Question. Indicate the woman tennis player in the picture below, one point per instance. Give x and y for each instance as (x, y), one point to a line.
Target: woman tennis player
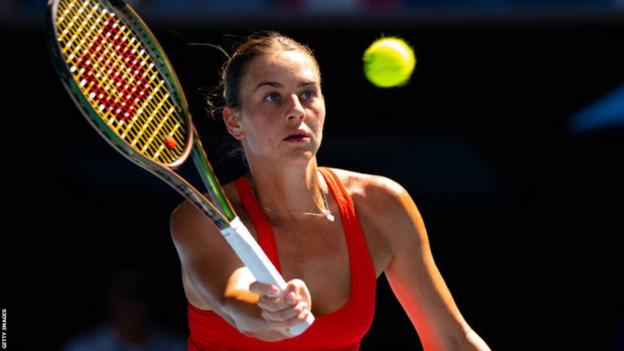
(329, 232)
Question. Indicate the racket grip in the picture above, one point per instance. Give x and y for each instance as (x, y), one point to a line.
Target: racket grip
(252, 255)
(303, 326)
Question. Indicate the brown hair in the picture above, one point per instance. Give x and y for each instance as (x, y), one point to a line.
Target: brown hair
(235, 68)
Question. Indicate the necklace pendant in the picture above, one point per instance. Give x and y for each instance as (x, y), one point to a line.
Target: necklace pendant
(330, 217)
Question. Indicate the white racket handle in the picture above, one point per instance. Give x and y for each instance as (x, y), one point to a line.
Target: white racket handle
(252, 255)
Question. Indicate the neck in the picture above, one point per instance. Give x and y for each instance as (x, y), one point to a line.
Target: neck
(290, 191)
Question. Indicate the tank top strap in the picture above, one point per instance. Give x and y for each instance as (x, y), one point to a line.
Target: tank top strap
(265, 239)
(363, 275)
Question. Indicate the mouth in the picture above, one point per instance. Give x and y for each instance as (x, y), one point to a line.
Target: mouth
(298, 136)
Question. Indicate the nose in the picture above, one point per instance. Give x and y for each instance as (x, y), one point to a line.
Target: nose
(295, 109)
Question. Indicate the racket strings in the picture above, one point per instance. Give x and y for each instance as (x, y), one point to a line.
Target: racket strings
(112, 34)
(117, 75)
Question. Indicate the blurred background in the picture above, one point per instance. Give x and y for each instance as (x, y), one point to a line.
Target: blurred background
(509, 138)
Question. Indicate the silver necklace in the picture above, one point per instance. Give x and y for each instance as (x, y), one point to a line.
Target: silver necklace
(325, 212)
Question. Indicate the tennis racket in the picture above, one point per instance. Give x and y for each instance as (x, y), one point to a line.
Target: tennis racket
(123, 83)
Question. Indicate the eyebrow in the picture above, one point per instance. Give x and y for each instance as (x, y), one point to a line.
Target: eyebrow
(280, 85)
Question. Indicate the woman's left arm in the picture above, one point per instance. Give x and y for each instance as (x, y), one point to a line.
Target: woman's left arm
(415, 279)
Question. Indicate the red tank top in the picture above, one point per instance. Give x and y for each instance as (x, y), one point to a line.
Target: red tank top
(341, 330)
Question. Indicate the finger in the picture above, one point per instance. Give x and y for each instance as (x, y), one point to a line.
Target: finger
(300, 290)
(298, 287)
(289, 323)
(285, 314)
(294, 285)
(264, 289)
(291, 298)
(274, 304)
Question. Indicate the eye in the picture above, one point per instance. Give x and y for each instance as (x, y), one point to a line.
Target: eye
(308, 94)
(273, 97)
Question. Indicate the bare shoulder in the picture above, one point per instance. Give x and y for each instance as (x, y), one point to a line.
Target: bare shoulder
(385, 208)
(372, 192)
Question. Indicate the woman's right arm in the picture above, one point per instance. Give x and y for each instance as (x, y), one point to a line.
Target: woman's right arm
(227, 286)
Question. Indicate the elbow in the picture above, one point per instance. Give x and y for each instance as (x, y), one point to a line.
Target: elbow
(243, 316)
(237, 313)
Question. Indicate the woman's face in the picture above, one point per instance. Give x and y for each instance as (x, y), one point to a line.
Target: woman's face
(282, 108)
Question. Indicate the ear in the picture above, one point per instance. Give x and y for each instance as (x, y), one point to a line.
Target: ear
(231, 118)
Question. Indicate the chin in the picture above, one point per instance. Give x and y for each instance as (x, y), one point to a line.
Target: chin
(299, 158)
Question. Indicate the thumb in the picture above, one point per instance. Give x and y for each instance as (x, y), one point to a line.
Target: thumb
(300, 289)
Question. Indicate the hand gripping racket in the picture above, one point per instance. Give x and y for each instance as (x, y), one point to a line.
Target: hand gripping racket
(121, 80)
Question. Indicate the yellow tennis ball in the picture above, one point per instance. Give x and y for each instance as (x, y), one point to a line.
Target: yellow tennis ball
(389, 62)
